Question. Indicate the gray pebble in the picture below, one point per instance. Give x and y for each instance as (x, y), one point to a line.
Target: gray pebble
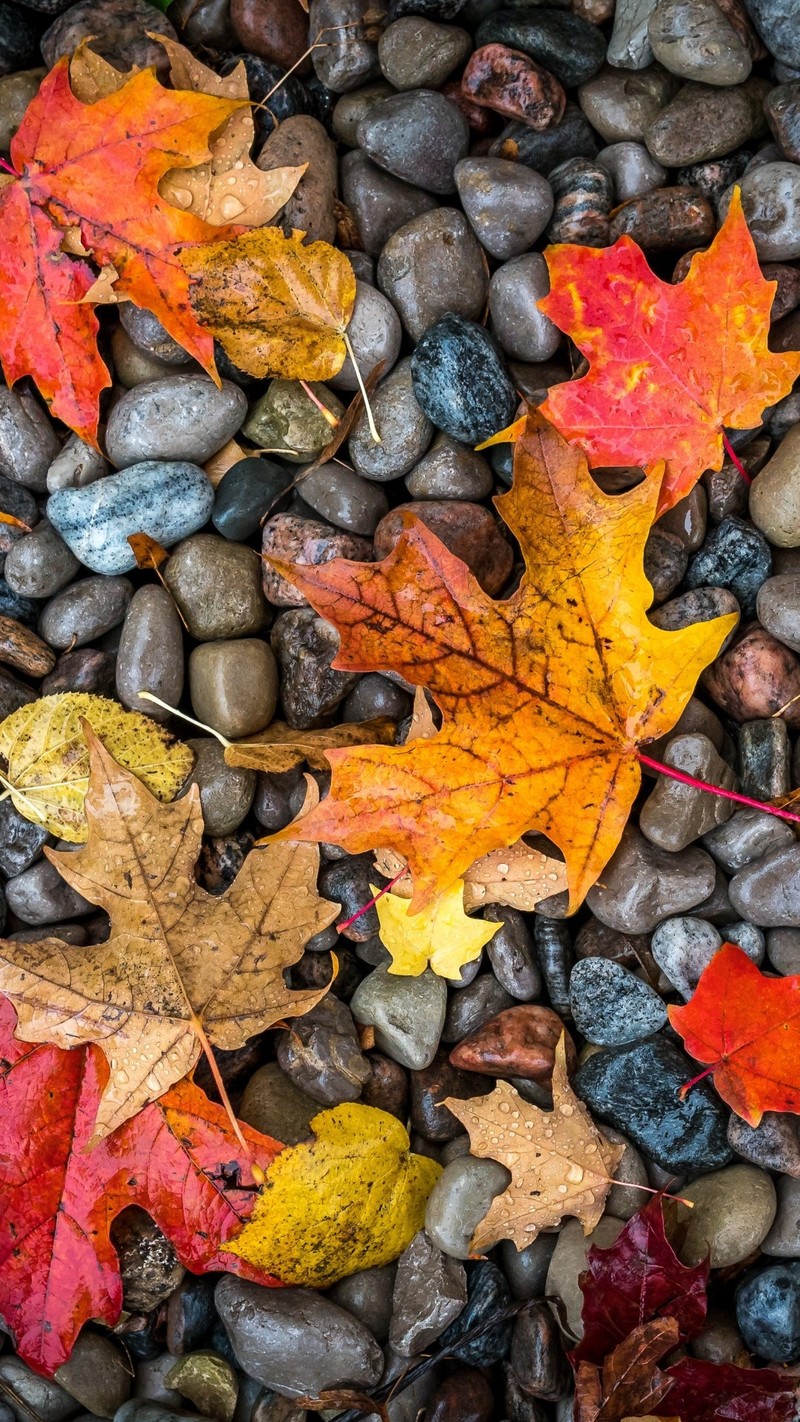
(405, 431)
(76, 465)
(783, 1240)
(508, 205)
(234, 686)
(84, 611)
(367, 1295)
(418, 136)
(629, 46)
(705, 122)
(642, 884)
(150, 656)
(407, 1014)
(683, 947)
(778, 608)
(416, 53)
(375, 334)
(97, 1374)
(747, 836)
(783, 950)
(473, 1006)
(460, 1199)
(774, 1144)
(611, 1006)
(380, 204)
(432, 266)
(321, 1054)
(28, 442)
(275, 1105)
(285, 421)
(166, 500)
(342, 55)
(342, 497)
(49, 1401)
(39, 895)
(622, 106)
(512, 954)
(21, 841)
(216, 584)
(185, 417)
(633, 171)
(695, 40)
(450, 471)
(430, 1291)
(516, 288)
(305, 645)
(768, 892)
(352, 107)
(674, 815)
(226, 791)
(526, 1269)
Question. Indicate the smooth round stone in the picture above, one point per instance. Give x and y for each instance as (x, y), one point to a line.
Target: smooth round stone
(767, 892)
(76, 465)
(119, 30)
(682, 948)
(778, 608)
(375, 695)
(450, 471)
(526, 1269)
(783, 949)
(755, 678)
(416, 53)
(695, 40)
(460, 381)
(226, 791)
(272, 29)
(734, 556)
(468, 530)
(621, 106)
(433, 266)
(216, 585)
(466, 1395)
(460, 1199)
(632, 169)
(133, 366)
(642, 884)
(367, 1295)
(39, 895)
(583, 201)
(625, 1198)
(276, 1106)
(473, 1006)
(286, 422)
(164, 499)
(49, 1401)
(96, 1374)
(512, 953)
(565, 44)
(430, 1292)
(637, 1088)
(87, 669)
(768, 1312)
(508, 205)
(28, 442)
(148, 334)
(151, 653)
(344, 498)
(538, 1362)
(703, 122)
(84, 611)
(516, 288)
(418, 136)
(775, 491)
(234, 686)
(344, 56)
(407, 1014)
(611, 1006)
(405, 429)
(569, 1262)
(303, 540)
(375, 334)
(301, 139)
(351, 108)
(294, 1341)
(184, 417)
(380, 204)
(245, 494)
(674, 815)
(783, 1240)
(733, 1212)
(668, 219)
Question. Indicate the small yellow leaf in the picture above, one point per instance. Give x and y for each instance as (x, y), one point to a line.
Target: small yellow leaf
(440, 935)
(44, 759)
(276, 306)
(353, 1198)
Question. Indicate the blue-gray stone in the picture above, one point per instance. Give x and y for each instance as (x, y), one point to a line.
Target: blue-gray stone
(776, 22)
(460, 381)
(735, 556)
(16, 605)
(564, 43)
(636, 1089)
(487, 1293)
(167, 500)
(768, 1312)
(611, 1006)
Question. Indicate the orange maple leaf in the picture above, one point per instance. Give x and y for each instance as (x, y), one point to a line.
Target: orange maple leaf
(670, 364)
(96, 167)
(544, 696)
(746, 1026)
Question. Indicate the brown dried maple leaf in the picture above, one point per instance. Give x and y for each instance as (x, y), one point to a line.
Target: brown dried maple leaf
(631, 1383)
(560, 1163)
(182, 967)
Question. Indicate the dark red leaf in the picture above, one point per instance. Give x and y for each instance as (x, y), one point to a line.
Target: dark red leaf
(719, 1392)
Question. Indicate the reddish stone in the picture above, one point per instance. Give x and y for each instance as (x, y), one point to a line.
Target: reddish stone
(466, 1396)
(518, 1042)
(277, 30)
(514, 85)
(665, 219)
(304, 540)
(756, 677)
(468, 530)
(480, 119)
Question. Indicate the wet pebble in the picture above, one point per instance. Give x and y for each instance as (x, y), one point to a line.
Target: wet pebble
(304, 646)
(775, 493)
(303, 541)
(611, 1006)
(418, 136)
(85, 610)
(320, 1053)
(642, 884)
(564, 43)
(96, 1374)
(674, 815)
(508, 205)
(275, 1105)
(301, 139)
(703, 122)
(569, 1261)
(537, 1357)
(733, 1211)
(286, 422)
(450, 470)
(523, 330)
(735, 556)
(208, 1381)
(343, 55)
(783, 1240)
(39, 895)
(667, 219)
(584, 196)
(767, 892)
(695, 40)
(381, 204)
(250, 489)
(519, 1042)
(474, 1005)
(510, 83)
(460, 381)
(406, 1013)
(185, 417)
(756, 677)
(430, 1291)
(226, 791)
(75, 465)
(632, 170)
(432, 266)
(459, 1201)
(771, 204)
(512, 953)
(621, 106)
(416, 53)
(768, 1312)
(683, 948)
(404, 428)
(21, 841)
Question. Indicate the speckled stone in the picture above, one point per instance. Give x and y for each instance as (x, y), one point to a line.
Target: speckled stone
(286, 422)
(622, 106)
(405, 429)
(216, 585)
(303, 540)
(460, 381)
(165, 499)
(416, 53)
(450, 471)
(510, 83)
(695, 40)
(703, 122)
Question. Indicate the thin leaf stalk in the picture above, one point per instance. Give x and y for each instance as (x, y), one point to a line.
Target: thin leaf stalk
(691, 780)
(734, 458)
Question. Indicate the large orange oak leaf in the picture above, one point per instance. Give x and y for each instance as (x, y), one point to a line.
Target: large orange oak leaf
(544, 696)
(178, 1159)
(96, 168)
(746, 1028)
(670, 364)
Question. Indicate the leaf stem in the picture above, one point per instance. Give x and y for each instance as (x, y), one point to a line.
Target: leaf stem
(687, 1086)
(151, 696)
(8, 169)
(197, 1028)
(340, 927)
(631, 1185)
(326, 414)
(696, 784)
(373, 428)
(734, 458)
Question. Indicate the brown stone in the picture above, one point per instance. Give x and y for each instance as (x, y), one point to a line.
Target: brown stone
(85, 669)
(631, 950)
(665, 219)
(304, 540)
(22, 649)
(276, 30)
(469, 530)
(514, 85)
(302, 139)
(466, 1396)
(787, 297)
(518, 1042)
(479, 118)
(430, 1087)
(387, 1088)
(756, 677)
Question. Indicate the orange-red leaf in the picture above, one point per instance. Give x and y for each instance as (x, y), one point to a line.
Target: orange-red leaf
(544, 696)
(670, 364)
(746, 1028)
(178, 1159)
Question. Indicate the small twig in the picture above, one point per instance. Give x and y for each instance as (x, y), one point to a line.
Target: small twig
(340, 927)
(734, 458)
(696, 784)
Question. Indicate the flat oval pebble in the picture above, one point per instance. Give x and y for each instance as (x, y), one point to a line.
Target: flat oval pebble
(150, 656)
(85, 610)
(418, 136)
(168, 500)
(185, 417)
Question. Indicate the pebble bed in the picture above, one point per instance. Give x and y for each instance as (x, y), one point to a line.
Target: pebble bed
(447, 141)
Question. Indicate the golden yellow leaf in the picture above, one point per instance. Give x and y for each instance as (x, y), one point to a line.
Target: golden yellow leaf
(44, 758)
(277, 307)
(560, 1163)
(182, 967)
(353, 1198)
(280, 747)
(229, 188)
(440, 935)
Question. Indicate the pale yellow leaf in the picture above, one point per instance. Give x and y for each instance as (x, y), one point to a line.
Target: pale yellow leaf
(440, 936)
(353, 1198)
(44, 758)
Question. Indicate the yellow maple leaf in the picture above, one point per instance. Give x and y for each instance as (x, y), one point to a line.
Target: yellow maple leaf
(441, 935)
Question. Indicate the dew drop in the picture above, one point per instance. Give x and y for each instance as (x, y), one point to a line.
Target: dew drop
(575, 1174)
